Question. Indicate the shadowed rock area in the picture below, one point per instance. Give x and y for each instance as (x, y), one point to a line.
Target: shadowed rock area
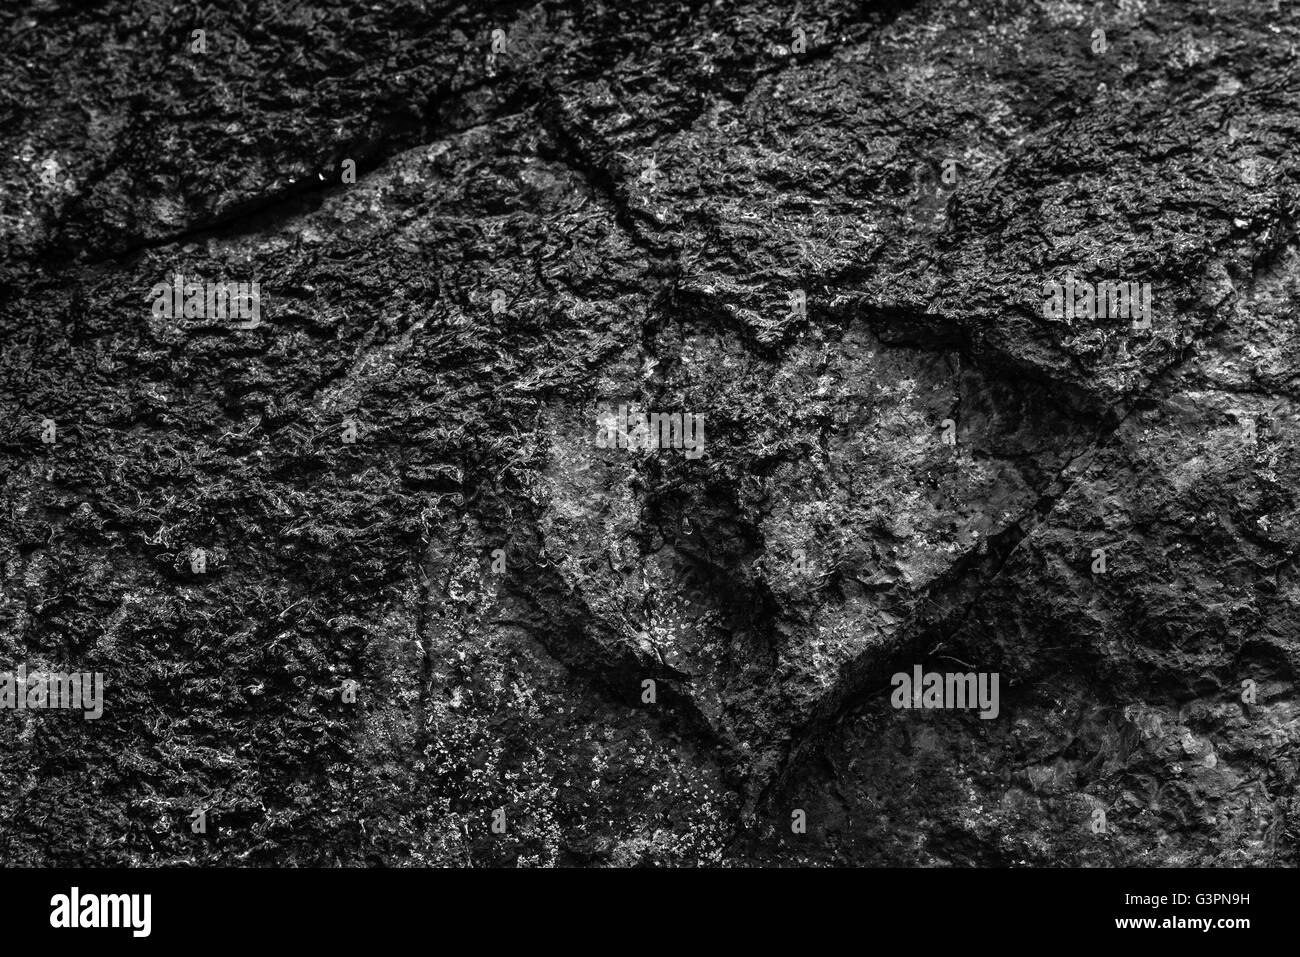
(428, 594)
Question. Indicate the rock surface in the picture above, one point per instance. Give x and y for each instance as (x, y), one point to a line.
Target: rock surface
(827, 231)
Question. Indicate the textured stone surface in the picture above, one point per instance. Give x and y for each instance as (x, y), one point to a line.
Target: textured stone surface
(647, 185)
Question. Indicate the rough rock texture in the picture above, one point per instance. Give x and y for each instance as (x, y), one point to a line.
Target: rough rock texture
(647, 185)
